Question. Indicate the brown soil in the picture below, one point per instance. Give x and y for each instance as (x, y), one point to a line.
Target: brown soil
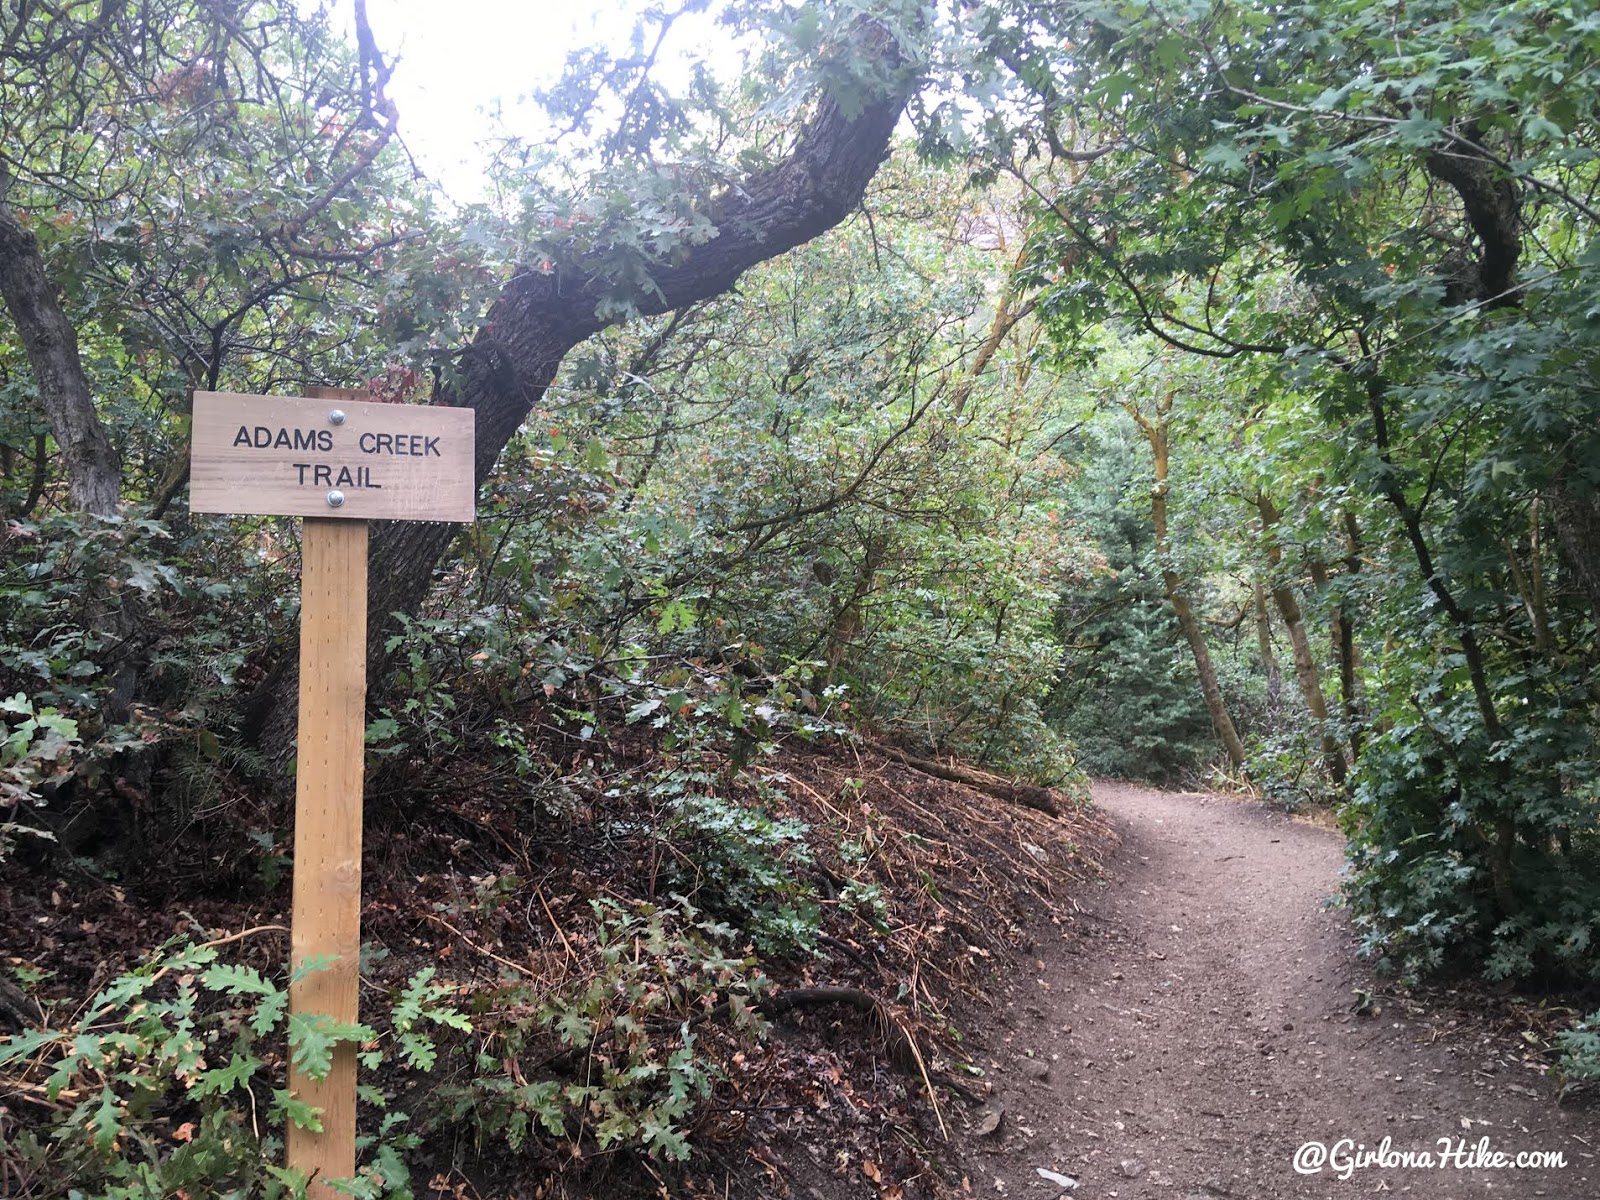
(472, 877)
(1198, 1022)
(1166, 1016)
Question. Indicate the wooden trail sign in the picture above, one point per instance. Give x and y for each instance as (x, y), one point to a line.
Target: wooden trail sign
(290, 456)
(337, 461)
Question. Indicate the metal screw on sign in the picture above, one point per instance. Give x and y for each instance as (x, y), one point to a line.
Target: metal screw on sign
(336, 417)
(335, 499)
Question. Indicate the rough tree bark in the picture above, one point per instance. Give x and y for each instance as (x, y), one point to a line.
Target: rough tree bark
(94, 476)
(544, 313)
(1493, 209)
(94, 471)
(1575, 511)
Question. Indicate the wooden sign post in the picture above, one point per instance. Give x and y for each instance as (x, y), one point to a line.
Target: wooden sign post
(337, 461)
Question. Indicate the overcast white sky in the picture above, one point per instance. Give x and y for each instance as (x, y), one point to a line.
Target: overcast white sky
(461, 59)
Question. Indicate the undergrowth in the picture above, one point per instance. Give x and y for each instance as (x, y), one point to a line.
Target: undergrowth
(172, 1078)
(615, 1057)
(614, 1020)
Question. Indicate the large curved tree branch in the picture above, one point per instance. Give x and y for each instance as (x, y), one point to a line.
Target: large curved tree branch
(1493, 208)
(543, 314)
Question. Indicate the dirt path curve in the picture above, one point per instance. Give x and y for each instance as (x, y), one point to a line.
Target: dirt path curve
(1197, 1021)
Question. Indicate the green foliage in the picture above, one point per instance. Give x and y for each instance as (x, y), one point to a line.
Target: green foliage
(32, 750)
(1285, 761)
(634, 1060)
(1127, 694)
(1580, 1049)
(902, 483)
(1432, 799)
(220, 224)
(1363, 236)
(431, 660)
(62, 578)
(739, 863)
(96, 612)
(165, 1081)
(851, 509)
(1128, 698)
(418, 1007)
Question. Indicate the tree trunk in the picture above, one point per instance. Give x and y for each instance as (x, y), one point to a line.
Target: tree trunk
(1155, 432)
(94, 476)
(1503, 841)
(542, 315)
(544, 312)
(94, 473)
(1342, 635)
(1529, 583)
(1349, 662)
(847, 623)
(1269, 659)
(1575, 510)
(1006, 315)
(1306, 672)
(1216, 707)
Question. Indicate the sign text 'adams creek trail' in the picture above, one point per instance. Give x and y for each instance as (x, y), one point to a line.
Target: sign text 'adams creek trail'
(294, 456)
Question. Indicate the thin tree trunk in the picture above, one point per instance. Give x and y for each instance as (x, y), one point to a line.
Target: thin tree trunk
(1575, 511)
(1501, 839)
(1155, 432)
(1536, 571)
(1349, 660)
(1306, 671)
(38, 475)
(1342, 636)
(1530, 593)
(1211, 690)
(1269, 658)
(847, 623)
(94, 476)
(1006, 315)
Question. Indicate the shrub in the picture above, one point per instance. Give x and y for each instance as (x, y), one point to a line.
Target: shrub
(1130, 700)
(1429, 797)
(632, 1071)
(39, 745)
(744, 865)
(1580, 1049)
(134, 639)
(164, 1083)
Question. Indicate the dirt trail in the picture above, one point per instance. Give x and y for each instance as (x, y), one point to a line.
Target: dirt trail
(1198, 1025)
